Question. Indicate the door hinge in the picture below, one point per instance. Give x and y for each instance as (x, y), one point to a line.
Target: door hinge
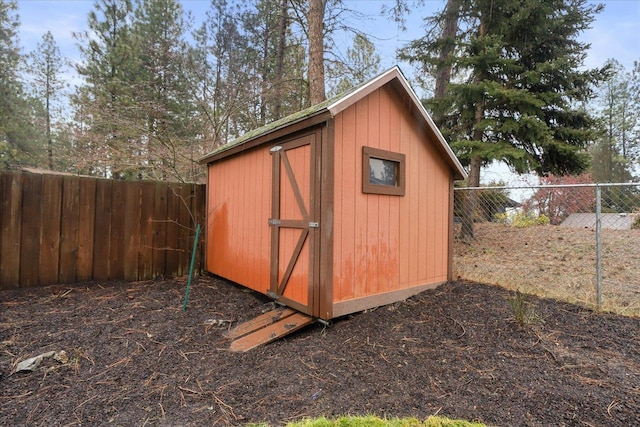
(275, 148)
(273, 221)
(314, 225)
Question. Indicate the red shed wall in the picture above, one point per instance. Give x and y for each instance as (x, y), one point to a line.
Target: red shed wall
(385, 244)
(238, 207)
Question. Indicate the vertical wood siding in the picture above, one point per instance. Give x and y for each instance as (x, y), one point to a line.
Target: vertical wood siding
(238, 208)
(64, 229)
(386, 243)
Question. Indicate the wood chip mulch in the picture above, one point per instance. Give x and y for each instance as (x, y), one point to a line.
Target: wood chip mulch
(136, 358)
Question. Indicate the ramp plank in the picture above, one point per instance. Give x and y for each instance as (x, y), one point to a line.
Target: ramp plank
(260, 322)
(272, 332)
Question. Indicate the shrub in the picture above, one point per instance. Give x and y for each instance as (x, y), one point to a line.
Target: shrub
(521, 220)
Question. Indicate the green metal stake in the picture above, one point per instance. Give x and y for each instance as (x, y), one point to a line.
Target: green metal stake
(193, 258)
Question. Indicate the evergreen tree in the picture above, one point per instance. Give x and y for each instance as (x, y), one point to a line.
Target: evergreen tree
(249, 68)
(46, 66)
(607, 164)
(262, 29)
(618, 145)
(515, 84)
(320, 20)
(107, 131)
(18, 137)
(163, 97)
(220, 82)
(279, 61)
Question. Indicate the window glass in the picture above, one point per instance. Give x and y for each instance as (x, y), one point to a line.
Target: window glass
(383, 172)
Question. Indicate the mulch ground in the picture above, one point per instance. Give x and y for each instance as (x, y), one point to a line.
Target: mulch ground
(135, 358)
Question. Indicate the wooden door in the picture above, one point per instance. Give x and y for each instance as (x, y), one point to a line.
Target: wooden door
(294, 226)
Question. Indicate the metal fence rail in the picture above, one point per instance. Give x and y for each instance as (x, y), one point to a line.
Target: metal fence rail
(576, 242)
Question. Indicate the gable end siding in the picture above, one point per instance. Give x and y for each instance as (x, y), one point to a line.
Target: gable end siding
(387, 243)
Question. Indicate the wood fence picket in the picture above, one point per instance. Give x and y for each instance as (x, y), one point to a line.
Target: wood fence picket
(61, 229)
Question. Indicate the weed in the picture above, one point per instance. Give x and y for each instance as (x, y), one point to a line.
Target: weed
(523, 312)
(75, 360)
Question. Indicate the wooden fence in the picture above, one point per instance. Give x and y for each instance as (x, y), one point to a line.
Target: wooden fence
(59, 229)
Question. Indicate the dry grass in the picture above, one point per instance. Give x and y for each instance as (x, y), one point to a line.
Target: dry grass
(555, 262)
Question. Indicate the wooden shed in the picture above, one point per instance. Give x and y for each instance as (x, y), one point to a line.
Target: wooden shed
(345, 206)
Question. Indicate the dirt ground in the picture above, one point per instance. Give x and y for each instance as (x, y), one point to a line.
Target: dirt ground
(135, 358)
(556, 262)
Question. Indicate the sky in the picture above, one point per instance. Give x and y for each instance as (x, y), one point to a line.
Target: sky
(615, 32)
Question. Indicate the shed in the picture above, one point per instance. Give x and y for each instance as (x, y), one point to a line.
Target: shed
(344, 206)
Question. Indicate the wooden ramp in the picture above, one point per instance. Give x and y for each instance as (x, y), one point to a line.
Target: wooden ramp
(267, 327)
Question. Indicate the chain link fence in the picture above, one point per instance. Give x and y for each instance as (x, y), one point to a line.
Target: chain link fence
(579, 243)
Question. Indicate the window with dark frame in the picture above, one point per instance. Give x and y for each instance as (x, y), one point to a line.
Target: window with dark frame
(383, 172)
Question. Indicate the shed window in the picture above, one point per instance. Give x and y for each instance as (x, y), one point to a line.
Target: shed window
(382, 172)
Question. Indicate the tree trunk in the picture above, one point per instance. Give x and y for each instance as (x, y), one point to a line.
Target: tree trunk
(262, 119)
(471, 201)
(443, 73)
(49, 140)
(316, 51)
(282, 33)
(608, 149)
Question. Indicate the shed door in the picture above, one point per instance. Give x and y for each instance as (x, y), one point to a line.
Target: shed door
(294, 226)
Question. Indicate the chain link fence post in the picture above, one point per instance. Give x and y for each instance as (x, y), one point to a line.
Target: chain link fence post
(598, 246)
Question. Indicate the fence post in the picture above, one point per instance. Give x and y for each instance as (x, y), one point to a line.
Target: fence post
(598, 246)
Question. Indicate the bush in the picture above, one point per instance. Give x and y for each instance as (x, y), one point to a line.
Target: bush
(521, 220)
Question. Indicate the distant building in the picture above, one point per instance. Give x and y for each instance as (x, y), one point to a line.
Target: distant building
(610, 221)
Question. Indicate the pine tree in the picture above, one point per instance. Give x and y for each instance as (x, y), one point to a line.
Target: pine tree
(220, 83)
(279, 62)
(107, 131)
(18, 136)
(263, 36)
(619, 144)
(515, 85)
(323, 19)
(10, 87)
(249, 68)
(46, 67)
(163, 97)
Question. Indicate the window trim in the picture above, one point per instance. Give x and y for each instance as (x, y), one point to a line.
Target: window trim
(376, 153)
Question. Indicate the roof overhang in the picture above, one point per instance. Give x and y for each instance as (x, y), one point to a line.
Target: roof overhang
(277, 129)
